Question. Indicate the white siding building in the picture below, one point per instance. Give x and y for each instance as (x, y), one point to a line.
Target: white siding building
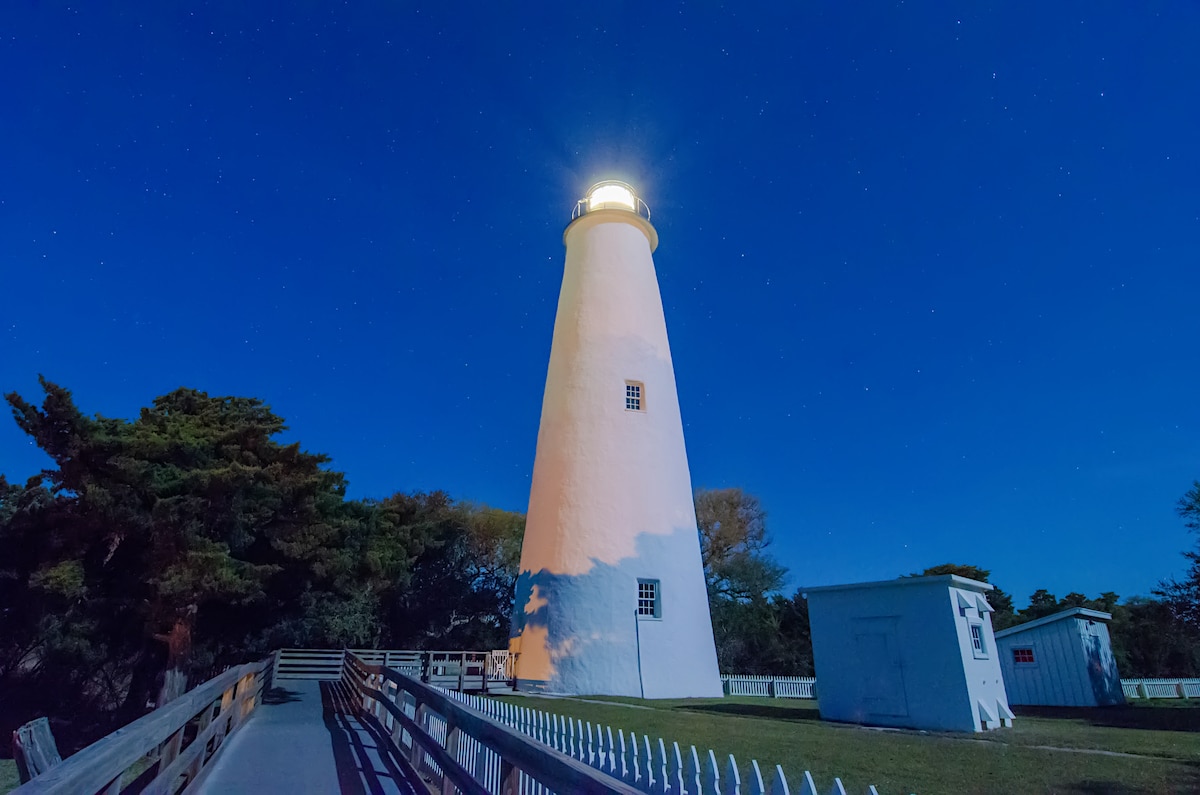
(916, 652)
(1062, 660)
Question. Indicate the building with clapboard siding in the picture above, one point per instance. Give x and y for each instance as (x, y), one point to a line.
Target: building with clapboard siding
(916, 652)
(1063, 660)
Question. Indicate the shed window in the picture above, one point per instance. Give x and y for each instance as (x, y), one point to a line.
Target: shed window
(977, 645)
(1024, 656)
(649, 603)
(633, 395)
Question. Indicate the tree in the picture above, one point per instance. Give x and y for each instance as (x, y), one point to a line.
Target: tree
(1042, 603)
(187, 538)
(743, 581)
(1183, 595)
(1147, 641)
(733, 544)
(460, 593)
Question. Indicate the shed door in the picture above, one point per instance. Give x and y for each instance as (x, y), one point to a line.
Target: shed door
(878, 656)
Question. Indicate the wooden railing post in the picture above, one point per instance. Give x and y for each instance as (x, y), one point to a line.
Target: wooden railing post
(510, 778)
(193, 769)
(415, 756)
(170, 749)
(452, 739)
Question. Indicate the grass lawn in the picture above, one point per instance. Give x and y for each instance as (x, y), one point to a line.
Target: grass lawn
(1129, 751)
(8, 776)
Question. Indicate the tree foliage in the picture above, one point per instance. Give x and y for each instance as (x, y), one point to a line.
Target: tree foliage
(733, 545)
(756, 629)
(1183, 595)
(191, 537)
(462, 585)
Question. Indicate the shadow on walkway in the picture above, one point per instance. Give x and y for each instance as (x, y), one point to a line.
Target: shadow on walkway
(361, 750)
(279, 695)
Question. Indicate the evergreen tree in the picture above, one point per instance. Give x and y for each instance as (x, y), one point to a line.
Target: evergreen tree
(185, 539)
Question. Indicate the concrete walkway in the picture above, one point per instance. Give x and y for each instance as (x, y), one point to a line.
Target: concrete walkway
(305, 739)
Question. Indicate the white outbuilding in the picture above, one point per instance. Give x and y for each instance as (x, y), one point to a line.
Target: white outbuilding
(1063, 660)
(915, 652)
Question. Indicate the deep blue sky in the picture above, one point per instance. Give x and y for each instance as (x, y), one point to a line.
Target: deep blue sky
(929, 270)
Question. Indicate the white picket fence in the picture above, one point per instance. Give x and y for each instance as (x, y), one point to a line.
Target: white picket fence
(806, 687)
(769, 686)
(1160, 688)
(651, 766)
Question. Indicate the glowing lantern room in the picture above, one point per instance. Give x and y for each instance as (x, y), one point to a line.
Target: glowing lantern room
(611, 598)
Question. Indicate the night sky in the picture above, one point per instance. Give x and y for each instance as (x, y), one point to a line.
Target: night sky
(929, 270)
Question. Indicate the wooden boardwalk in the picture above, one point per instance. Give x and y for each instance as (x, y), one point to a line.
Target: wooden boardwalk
(304, 738)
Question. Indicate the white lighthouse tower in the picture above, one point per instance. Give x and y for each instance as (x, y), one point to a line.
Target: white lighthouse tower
(611, 597)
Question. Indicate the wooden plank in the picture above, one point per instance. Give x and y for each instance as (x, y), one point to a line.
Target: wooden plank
(191, 758)
(553, 770)
(105, 760)
(34, 749)
(425, 745)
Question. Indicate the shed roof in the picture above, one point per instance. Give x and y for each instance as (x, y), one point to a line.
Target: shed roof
(946, 580)
(1074, 612)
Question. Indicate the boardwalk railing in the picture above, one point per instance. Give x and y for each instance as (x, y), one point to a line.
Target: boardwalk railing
(460, 749)
(651, 766)
(1160, 688)
(455, 670)
(769, 686)
(179, 740)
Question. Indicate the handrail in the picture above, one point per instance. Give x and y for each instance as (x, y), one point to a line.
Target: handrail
(460, 740)
(472, 670)
(218, 707)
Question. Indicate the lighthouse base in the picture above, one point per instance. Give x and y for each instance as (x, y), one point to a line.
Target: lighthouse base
(583, 634)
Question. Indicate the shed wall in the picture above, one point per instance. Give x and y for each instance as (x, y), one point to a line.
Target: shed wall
(889, 657)
(1073, 665)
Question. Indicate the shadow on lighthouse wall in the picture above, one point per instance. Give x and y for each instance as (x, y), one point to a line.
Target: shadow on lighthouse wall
(577, 637)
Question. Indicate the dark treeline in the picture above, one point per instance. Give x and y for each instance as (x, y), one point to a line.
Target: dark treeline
(761, 631)
(158, 550)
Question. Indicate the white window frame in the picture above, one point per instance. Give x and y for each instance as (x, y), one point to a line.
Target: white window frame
(655, 601)
(635, 396)
(978, 651)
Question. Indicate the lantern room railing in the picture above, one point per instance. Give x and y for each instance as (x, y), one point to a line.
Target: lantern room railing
(611, 195)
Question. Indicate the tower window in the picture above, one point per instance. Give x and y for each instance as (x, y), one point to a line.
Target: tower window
(649, 604)
(634, 394)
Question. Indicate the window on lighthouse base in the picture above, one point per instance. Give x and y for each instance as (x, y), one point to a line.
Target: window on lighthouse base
(649, 604)
(634, 394)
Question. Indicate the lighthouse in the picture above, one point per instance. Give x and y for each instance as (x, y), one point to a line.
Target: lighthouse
(611, 598)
